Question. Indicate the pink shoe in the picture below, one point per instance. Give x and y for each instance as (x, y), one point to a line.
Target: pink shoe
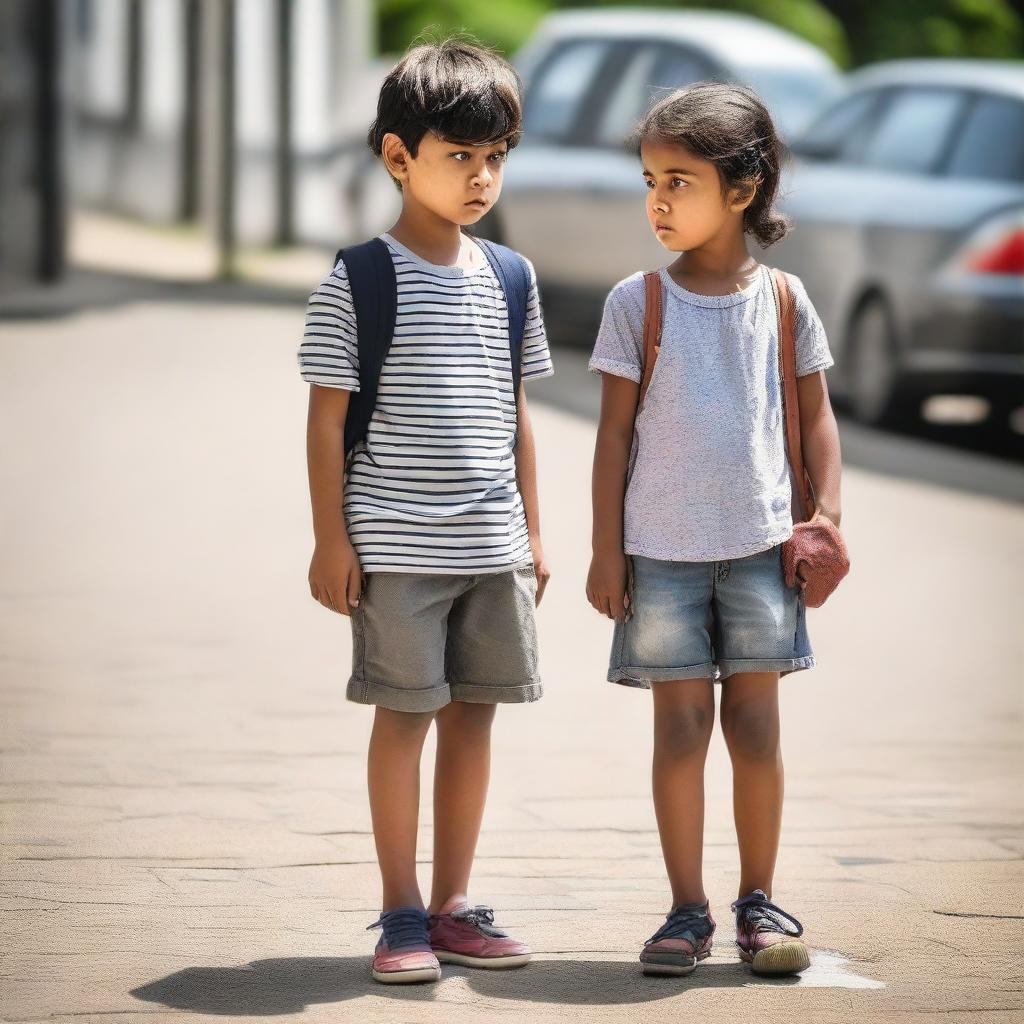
(467, 936)
(403, 955)
(768, 937)
(681, 942)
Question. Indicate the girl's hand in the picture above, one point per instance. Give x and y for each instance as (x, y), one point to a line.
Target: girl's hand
(606, 585)
(540, 567)
(335, 576)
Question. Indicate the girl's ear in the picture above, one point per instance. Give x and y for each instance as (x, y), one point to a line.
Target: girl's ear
(741, 196)
(395, 156)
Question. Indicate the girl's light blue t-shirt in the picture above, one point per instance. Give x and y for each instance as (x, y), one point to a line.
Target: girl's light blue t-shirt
(711, 479)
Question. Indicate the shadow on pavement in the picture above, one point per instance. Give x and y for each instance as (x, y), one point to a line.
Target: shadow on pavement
(289, 985)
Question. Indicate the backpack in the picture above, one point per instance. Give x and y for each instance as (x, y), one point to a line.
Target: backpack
(374, 287)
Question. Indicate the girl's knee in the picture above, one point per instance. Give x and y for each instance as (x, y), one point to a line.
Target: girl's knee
(751, 730)
(684, 731)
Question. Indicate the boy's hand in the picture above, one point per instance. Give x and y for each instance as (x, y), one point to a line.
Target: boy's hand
(335, 577)
(540, 568)
(606, 585)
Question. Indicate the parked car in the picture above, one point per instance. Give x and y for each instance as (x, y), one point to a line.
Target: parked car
(573, 195)
(907, 198)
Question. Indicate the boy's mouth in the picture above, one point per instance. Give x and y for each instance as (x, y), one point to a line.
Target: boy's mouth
(480, 204)
(662, 227)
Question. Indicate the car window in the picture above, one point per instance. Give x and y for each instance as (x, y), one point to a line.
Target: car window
(914, 130)
(557, 92)
(651, 72)
(840, 132)
(991, 143)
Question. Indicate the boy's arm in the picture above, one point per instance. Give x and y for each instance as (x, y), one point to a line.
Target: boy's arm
(819, 437)
(335, 578)
(526, 478)
(606, 582)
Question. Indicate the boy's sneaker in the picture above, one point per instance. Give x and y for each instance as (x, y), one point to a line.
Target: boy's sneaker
(681, 942)
(768, 937)
(403, 954)
(467, 935)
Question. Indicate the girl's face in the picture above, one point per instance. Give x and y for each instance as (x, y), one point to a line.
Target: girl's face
(686, 203)
(455, 181)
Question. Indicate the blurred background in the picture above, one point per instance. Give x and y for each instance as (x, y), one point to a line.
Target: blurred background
(217, 140)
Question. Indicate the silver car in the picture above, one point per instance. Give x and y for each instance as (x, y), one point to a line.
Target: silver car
(573, 197)
(907, 198)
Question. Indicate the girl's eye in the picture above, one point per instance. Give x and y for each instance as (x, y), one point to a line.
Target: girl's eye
(648, 183)
(676, 182)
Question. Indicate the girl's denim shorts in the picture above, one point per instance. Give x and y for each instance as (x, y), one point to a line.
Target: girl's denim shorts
(709, 620)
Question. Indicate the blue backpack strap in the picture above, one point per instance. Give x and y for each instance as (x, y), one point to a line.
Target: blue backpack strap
(514, 277)
(374, 288)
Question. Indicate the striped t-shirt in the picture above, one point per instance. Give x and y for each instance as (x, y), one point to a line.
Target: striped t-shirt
(433, 486)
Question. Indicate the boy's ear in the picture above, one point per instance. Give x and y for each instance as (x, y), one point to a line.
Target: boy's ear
(395, 156)
(742, 196)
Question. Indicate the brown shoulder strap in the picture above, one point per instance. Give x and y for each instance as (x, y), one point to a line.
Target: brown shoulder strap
(652, 330)
(790, 398)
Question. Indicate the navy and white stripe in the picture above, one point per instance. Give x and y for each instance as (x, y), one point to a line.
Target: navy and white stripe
(433, 487)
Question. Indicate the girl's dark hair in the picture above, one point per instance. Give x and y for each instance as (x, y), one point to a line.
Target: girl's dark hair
(731, 127)
(455, 88)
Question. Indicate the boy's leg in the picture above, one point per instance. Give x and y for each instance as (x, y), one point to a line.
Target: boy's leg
(393, 776)
(750, 723)
(461, 774)
(684, 715)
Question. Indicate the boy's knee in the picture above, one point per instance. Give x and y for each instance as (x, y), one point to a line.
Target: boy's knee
(751, 731)
(685, 731)
(464, 715)
(409, 723)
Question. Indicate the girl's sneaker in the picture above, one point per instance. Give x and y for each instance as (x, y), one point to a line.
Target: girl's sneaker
(403, 954)
(681, 942)
(467, 935)
(768, 937)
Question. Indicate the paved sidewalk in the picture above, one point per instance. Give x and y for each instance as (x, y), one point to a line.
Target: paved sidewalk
(185, 826)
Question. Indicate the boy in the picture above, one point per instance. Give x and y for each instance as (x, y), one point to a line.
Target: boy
(426, 528)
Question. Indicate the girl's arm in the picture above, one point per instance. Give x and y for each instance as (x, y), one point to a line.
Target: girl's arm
(335, 578)
(606, 582)
(819, 437)
(526, 478)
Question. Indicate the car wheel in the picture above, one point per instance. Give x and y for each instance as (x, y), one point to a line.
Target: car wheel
(872, 378)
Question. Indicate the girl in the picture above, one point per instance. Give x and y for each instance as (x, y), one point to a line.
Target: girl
(692, 502)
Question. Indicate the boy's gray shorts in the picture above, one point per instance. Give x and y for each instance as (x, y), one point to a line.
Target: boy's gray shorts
(421, 640)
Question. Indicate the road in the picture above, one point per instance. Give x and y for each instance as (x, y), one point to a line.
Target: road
(185, 822)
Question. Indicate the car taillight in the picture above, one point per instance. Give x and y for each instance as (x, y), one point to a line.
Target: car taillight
(996, 248)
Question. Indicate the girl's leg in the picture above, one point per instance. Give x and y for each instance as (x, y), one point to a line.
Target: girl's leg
(461, 774)
(750, 722)
(684, 715)
(393, 775)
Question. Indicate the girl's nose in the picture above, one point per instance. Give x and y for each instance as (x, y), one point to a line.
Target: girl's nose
(660, 206)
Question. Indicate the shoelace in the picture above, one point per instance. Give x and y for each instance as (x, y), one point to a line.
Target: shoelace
(480, 917)
(757, 910)
(404, 926)
(684, 922)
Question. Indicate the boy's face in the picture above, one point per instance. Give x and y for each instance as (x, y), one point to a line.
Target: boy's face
(686, 204)
(456, 181)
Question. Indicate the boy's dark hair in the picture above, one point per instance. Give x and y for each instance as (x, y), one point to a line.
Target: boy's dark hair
(731, 127)
(455, 88)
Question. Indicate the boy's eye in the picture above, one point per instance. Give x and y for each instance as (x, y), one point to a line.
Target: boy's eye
(676, 182)
(463, 156)
(499, 157)
(648, 183)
